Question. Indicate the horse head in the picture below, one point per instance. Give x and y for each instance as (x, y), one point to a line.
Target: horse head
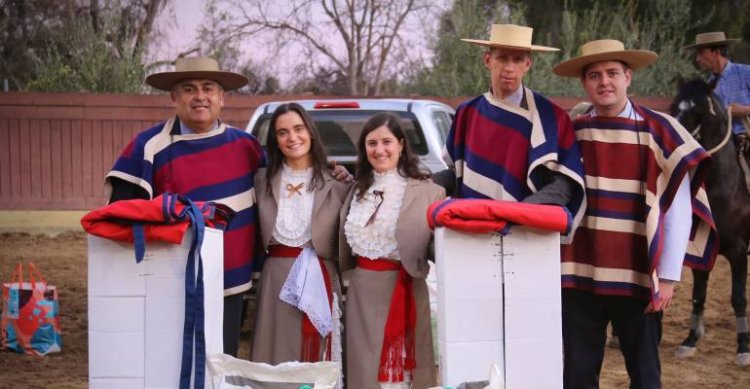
(700, 112)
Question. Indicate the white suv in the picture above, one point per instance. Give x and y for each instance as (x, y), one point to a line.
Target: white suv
(425, 122)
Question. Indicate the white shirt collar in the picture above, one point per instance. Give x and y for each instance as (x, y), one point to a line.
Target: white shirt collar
(628, 112)
(515, 98)
(304, 173)
(185, 130)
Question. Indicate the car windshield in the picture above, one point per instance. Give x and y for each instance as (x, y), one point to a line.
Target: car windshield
(340, 129)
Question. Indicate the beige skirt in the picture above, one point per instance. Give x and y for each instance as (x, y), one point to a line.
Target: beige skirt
(277, 336)
(368, 300)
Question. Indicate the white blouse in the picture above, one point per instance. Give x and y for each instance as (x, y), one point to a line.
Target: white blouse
(295, 208)
(378, 239)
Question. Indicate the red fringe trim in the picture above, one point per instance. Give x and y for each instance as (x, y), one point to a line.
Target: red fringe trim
(398, 352)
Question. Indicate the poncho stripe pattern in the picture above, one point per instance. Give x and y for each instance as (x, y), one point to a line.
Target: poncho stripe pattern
(617, 247)
(217, 166)
(495, 149)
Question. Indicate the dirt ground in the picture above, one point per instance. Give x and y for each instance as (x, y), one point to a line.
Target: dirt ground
(62, 260)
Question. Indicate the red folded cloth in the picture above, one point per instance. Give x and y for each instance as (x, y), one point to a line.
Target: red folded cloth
(165, 218)
(484, 215)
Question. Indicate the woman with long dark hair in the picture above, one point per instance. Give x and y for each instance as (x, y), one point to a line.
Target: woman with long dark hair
(298, 316)
(384, 241)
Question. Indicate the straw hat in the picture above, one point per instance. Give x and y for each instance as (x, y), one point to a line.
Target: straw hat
(196, 68)
(604, 50)
(512, 37)
(711, 39)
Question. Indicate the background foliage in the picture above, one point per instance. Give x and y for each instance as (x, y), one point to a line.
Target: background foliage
(103, 45)
(658, 25)
(72, 46)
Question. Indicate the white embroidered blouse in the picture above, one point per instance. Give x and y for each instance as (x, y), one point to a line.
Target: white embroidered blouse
(378, 239)
(295, 208)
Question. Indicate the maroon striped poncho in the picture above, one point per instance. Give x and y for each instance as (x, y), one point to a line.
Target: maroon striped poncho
(633, 169)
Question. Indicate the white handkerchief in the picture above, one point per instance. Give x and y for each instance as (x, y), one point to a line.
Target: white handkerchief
(305, 289)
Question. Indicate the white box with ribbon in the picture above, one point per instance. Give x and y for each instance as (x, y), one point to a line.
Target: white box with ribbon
(137, 310)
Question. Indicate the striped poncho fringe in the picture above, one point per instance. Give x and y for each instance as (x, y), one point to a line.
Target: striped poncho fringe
(620, 240)
(217, 166)
(496, 148)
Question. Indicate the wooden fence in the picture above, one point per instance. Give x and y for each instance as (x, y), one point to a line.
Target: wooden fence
(55, 148)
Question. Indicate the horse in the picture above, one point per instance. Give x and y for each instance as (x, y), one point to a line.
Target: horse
(701, 113)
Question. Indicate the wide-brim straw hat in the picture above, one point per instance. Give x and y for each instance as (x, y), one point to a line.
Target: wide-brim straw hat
(196, 68)
(511, 36)
(604, 50)
(711, 39)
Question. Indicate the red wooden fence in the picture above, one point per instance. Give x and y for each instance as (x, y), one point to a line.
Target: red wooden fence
(55, 148)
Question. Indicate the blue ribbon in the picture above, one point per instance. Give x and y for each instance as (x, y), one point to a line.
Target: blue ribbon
(194, 327)
(139, 242)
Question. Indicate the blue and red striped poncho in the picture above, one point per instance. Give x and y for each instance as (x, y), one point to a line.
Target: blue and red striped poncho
(633, 169)
(496, 149)
(217, 166)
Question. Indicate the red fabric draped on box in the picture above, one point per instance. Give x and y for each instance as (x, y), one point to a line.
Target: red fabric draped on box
(162, 219)
(483, 215)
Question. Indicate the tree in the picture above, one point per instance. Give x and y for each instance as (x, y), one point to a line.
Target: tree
(323, 82)
(213, 43)
(24, 25)
(730, 16)
(458, 68)
(655, 25)
(92, 45)
(354, 39)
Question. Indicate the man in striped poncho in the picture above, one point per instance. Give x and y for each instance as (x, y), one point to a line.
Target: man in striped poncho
(512, 143)
(196, 155)
(647, 212)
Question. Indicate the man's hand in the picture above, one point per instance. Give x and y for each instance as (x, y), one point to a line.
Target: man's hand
(666, 292)
(339, 172)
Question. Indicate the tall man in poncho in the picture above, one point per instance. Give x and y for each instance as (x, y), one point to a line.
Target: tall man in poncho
(512, 143)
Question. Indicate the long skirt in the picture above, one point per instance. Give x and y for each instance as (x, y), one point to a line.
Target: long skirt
(368, 300)
(278, 325)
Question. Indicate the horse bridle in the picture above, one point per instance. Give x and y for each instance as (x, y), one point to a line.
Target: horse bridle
(696, 131)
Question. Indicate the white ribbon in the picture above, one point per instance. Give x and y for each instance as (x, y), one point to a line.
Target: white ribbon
(305, 289)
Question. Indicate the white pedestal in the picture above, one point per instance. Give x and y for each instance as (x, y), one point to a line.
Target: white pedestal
(136, 311)
(499, 302)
